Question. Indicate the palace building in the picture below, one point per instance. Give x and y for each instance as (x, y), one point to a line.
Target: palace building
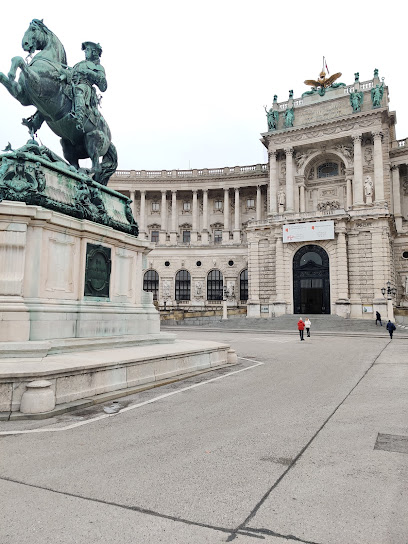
(321, 228)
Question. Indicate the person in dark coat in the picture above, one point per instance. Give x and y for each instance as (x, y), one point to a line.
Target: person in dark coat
(378, 318)
(391, 328)
(301, 328)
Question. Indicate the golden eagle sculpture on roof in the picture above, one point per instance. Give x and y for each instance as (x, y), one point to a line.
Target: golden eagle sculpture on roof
(322, 83)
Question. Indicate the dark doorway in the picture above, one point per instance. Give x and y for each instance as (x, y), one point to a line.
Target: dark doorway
(311, 281)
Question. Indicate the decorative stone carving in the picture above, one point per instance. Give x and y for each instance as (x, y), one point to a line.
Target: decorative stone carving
(198, 288)
(301, 158)
(368, 155)
(329, 205)
(368, 186)
(347, 151)
(166, 288)
(281, 197)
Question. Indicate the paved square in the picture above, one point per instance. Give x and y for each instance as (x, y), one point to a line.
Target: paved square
(278, 448)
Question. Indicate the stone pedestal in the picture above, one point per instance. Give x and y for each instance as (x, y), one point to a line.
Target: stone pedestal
(61, 277)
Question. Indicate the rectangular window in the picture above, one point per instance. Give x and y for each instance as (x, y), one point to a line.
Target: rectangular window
(155, 206)
(154, 236)
(217, 236)
(186, 206)
(218, 205)
(186, 236)
(250, 203)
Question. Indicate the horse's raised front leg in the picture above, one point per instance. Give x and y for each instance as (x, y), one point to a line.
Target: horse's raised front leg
(15, 89)
(16, 62)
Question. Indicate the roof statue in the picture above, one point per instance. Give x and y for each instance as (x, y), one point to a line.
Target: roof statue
(322, 83)
(65, 98)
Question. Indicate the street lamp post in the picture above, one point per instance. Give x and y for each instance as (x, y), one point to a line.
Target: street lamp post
(390, 292)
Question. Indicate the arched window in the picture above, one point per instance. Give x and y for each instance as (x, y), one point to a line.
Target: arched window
(183, 285)
(243, 285)
(327, 170)
(215, 285)
(151, 283)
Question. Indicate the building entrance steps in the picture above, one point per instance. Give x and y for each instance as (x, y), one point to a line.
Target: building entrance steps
(321, 324)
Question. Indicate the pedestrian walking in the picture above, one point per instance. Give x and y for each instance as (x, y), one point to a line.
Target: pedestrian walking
(378, 318)
(301, 328)
(308, 324)
(391, 328)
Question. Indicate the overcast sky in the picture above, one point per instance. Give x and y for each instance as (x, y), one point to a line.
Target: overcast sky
(188, 80)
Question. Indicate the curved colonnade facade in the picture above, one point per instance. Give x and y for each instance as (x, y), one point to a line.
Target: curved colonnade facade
(321, 228)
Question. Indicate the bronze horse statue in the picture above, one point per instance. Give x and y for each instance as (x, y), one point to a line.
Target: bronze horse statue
(42, 84)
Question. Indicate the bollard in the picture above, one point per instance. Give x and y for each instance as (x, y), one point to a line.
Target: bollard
(37, 398)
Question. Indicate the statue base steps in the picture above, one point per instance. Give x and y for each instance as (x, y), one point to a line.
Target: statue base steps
(80, 374)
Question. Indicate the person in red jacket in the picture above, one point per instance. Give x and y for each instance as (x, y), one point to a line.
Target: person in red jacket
(301, 327)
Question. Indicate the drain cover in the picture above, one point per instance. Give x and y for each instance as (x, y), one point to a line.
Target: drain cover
(392, 442)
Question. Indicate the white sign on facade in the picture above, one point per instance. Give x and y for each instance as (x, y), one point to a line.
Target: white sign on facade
(307, 232)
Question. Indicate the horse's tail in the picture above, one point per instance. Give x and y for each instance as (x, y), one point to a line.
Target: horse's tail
(109, 165)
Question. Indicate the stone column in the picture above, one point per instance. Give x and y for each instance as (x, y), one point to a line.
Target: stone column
(381, 256)
(378, 168)
(258, 203)
(315, 196)
(396, 194)
(289, 180)
(349, 194)
(358, 172)
(273, 183)
(253, 303)
(142, 218)
(163, 231)
(204, 232)
(195, 217)
(133, 205)
(174, 226)
(225, 233)
(342, 269)
(237, 218)
(279, 304)
(302, 199)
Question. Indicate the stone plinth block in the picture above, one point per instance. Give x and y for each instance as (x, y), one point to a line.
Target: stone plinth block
(38, 398)
(76, 278)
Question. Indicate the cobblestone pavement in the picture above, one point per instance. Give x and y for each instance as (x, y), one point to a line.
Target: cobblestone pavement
(299, 442)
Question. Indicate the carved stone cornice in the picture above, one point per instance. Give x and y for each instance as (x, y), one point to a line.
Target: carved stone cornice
(322, 129)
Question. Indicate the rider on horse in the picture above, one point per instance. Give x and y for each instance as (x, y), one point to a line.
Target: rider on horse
(84, 75)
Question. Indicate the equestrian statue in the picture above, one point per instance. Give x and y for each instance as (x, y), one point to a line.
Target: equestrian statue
(65, 98)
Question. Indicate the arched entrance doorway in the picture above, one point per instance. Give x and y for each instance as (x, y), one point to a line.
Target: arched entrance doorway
(311, 281)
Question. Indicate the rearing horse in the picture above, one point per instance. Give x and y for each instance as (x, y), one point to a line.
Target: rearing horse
(40, 84)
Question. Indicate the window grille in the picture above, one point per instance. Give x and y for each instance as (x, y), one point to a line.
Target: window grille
(151, 283)
(215, 285)
(243, 285)
(183, 285)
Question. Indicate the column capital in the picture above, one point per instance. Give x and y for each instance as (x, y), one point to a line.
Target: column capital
(163, 191)
(357, 138)
(377, 135)
(289, 151)
(395, 167)
(205, 190)
(142, 191)
(174, 191)
(273, 153)
(194, 191)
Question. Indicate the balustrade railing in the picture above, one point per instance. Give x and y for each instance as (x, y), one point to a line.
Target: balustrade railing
(254, 169)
